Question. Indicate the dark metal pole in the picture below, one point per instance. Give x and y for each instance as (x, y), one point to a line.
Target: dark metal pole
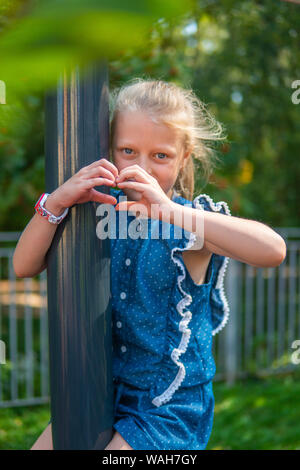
(78, 273)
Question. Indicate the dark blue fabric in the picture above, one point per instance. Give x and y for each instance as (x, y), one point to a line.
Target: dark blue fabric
(163, 326)
(185, 423)
(146, 297)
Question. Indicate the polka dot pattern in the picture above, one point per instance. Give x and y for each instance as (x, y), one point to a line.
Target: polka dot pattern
(185, 423)
(168, 321)
(163, 324)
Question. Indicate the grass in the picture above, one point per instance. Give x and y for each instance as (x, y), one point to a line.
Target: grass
(257, 414)
(21, 426)
(254, 414)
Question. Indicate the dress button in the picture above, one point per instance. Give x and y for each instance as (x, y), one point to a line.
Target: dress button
(123, 349)
(128, 261)
(123, 295)
(119, 324)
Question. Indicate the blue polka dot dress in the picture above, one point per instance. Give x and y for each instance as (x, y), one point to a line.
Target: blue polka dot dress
(163, 325)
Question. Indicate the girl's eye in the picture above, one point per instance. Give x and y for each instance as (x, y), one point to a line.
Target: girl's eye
(129, 151)
(161, 154)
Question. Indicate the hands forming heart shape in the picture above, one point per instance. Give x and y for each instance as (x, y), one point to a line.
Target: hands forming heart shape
(153, 200)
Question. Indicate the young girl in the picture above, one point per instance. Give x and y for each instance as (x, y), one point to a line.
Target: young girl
(167, 292)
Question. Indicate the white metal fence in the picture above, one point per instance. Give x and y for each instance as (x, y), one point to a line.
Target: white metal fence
(24, 376)
(264, 321)
(264, 316)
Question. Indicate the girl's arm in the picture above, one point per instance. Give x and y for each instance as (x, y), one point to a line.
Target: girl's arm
(29, 257)
(246, 240)
(30, 252)
(210, 248)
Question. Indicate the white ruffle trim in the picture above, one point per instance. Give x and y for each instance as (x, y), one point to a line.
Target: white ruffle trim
(187, 300)
(183, 328)
(220, 280)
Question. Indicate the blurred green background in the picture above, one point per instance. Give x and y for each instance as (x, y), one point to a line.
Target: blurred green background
(241, 58)
(254, 414)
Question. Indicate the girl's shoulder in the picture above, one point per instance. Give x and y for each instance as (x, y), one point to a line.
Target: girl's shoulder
(202, 202)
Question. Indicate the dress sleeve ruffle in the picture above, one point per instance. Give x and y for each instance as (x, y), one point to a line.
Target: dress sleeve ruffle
(182, 240)
(179, 240)
(218, 301)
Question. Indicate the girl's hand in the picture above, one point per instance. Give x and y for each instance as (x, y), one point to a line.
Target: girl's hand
(80, 187)
(153, 200)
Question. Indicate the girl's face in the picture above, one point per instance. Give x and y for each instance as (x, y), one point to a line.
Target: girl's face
(154, 147)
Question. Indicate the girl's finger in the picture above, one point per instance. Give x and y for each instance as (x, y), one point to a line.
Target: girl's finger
(133, 184)
(107, 164)
(99, 182)
(104, 198)
(124, 205)
(111, 167)
(143, 172)
(138, 175)
(99, 170)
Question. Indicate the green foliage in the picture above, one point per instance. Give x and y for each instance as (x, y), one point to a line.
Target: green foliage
(21, 426)
(261, 414)
(21, 160)
(241, 59)
(57, 35)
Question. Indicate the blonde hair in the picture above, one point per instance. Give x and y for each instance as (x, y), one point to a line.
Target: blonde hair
(180, 109)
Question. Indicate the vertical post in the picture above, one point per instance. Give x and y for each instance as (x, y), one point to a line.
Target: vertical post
(78, 273)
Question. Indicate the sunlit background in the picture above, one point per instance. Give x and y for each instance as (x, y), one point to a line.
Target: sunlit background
(241, 58)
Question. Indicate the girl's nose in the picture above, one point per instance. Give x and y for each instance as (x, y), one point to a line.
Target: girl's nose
(146, 167)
